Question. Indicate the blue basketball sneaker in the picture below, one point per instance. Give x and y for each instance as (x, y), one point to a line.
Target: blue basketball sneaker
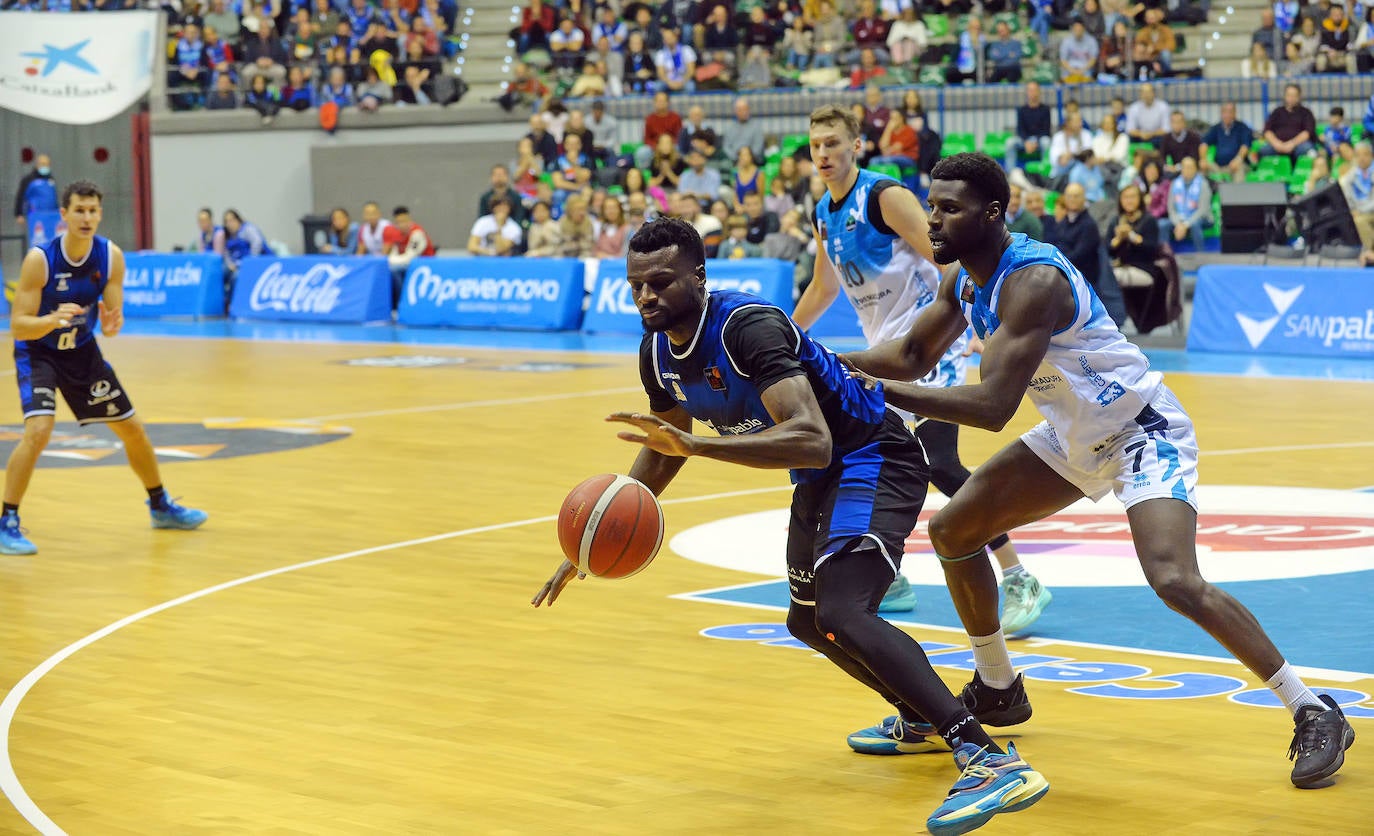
(895, 736)
(990, 784)
(12, 539)
(899, 596)
(173, 515)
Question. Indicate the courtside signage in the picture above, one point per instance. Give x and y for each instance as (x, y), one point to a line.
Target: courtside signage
(612, 308)
(1271, 310)
(77, 69)
(175, 284)
(313, 289)
(525, 293)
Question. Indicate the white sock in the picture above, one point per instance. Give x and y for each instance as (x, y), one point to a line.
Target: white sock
(1287, 686)
(1018, 569)
(991, 660)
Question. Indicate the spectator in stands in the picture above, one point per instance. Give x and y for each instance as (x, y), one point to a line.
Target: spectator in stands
(524, 89)
(719, 38)
(542, 141)
(1147, 119)
(761, 31)
(1269, 36)
(873, 122)
(324, 17)
(567, 46)
(667, 164)
(1070, 144)
(299, 94)
(1291, 129)
(341, 237)
(265, 100)
(1337, 141)
(1334, 50)
(798, 42)
(1303, 47)
(1134, 246)
(241, 239)
(1364, 43)
(611, 28)
(591, 82)
(612, 233)
(409, 242)
(779, 200)
(305, 40)
(899, 144)
(190, 68)
(265, 55)
(1155, 45)
(1258, 64)
(420, 32)
(577, 124)
(373, 231)
(741, 132)
(1077, 55)
(1114, 60)
(603, 126)
(219, 57)
(1004, 56)
(1358, 183)
(698, 181)
(868, 70)
(969, 57)
(496, 233)
(537, 22)
(1074, 232)
(655, 199)
(829, 36)
(373, 92)
(544, 239)
(1111, 148)
(756, 73)
(337, 89)
(224, 96)
(572, 173)
(224, 20)
(907, 37)
(640, 73)
(748, 178)
(1190, 206)
(575, 229)
(501, 188)
(676, 63)
(661, 120)
(1285, 15)
(341, 49)
(870, 32)
(761, 221)
(707, 226)
(791, 178)
(1178, 143)
(415, 88)
(1094, 21)
(1317, 11)
(1318, 178)
(695, 124)
(736, 243)
(1155, 186)
(1034, 201)
(1032, 129)
(1231, 140)
(1088, 173)
(1019, 220)
(210, 238)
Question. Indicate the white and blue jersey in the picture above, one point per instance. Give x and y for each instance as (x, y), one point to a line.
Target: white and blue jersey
(886, 280)
(742, 346)
(81, 283)
(1092, 383)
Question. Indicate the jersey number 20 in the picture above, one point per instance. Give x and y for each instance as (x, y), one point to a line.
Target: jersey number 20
(852, 276)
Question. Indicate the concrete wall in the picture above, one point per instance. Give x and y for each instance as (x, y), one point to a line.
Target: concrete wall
(274, 177)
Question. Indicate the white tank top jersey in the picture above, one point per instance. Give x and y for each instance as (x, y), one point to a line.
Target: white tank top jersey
(373, 238)
(886, 280)
(1093, 382)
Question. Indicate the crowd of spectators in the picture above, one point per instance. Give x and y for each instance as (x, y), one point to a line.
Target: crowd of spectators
(304, 54)
(1318, 37)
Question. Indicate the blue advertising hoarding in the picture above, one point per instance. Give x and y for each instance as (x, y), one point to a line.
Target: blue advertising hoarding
(612, 309)
(1281, 310)
(522, 293)
(313, 289)
(173, 284)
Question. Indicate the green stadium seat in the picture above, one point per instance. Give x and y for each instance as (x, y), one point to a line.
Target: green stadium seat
(627, 148)
(1040, 167)
(1214, 231)
(1008, 18)
(932, 75)
(1357, 131)
(958, 144)
(1030, 48)
(937, 26)
(1303, 165)
(1140, 146)
(770, 170)
(1051, 198)
(792, 142)
(995, 144)
(1045, 73)
(1211, 153)
(887, 170)
(1282, 166)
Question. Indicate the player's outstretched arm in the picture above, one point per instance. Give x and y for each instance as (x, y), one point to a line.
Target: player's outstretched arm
(821, 293)
(111, 304)
(798, 438)
(1031, 309)
(912, 356)
(25, 323)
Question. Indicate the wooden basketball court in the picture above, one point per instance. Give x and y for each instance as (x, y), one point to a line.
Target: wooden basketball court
(348, 646)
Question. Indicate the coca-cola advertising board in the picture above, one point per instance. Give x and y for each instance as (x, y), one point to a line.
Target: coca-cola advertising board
(313, 289)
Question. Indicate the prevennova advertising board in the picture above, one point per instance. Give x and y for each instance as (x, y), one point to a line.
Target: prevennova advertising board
(522, 293)
(1280, 310)
(77, 69)
(612, 308)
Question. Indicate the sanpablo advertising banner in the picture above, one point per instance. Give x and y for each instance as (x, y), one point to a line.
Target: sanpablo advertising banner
(77, 69)
(1279, 310)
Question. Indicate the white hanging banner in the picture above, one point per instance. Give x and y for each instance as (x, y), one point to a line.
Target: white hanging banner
(75, 68)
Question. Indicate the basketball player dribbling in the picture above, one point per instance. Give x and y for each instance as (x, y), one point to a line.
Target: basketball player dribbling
(55, 351)
(779, 400)
(1111, 426)
(876, 245)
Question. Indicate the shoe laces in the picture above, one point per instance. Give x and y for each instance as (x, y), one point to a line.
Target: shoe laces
(1015, 584)
(11, 525)
(1308, 734)
(976, 768)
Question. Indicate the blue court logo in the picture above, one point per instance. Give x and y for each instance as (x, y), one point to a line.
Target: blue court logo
(54, 57)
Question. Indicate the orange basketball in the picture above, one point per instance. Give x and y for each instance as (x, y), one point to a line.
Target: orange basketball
(611, 526)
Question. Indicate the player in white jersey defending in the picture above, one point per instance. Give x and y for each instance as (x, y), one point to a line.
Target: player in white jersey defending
(1111, 425)
(872, 231)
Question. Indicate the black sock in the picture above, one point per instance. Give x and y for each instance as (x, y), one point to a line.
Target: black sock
(965, 729)
(11, 508)
(157, 497)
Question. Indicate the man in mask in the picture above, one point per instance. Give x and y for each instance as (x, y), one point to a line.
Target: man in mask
(37, 192)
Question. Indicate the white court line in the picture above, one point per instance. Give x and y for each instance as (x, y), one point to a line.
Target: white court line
(9, 781)
(1241, 451)
(444, 407)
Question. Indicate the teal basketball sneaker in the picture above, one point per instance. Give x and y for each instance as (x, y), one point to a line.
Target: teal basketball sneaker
(900, 597)
(1024, 598)
(12, 539)
(173, 515)
(991, 783)
(895, 736)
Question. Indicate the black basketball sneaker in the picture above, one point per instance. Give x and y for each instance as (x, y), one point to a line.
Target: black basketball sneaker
(997, 706)
(1320, 738)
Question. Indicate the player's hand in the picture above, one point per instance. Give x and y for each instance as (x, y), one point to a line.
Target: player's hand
(975, 346)
(65, 313)
(554, 585)
(659, 435)
(111, 320)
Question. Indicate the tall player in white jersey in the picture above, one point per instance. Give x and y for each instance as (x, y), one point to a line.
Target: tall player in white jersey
(1111, 425)
(876, 245)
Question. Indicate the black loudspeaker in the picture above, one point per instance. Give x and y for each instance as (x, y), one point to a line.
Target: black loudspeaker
(1324, 218)
(1252, 215)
